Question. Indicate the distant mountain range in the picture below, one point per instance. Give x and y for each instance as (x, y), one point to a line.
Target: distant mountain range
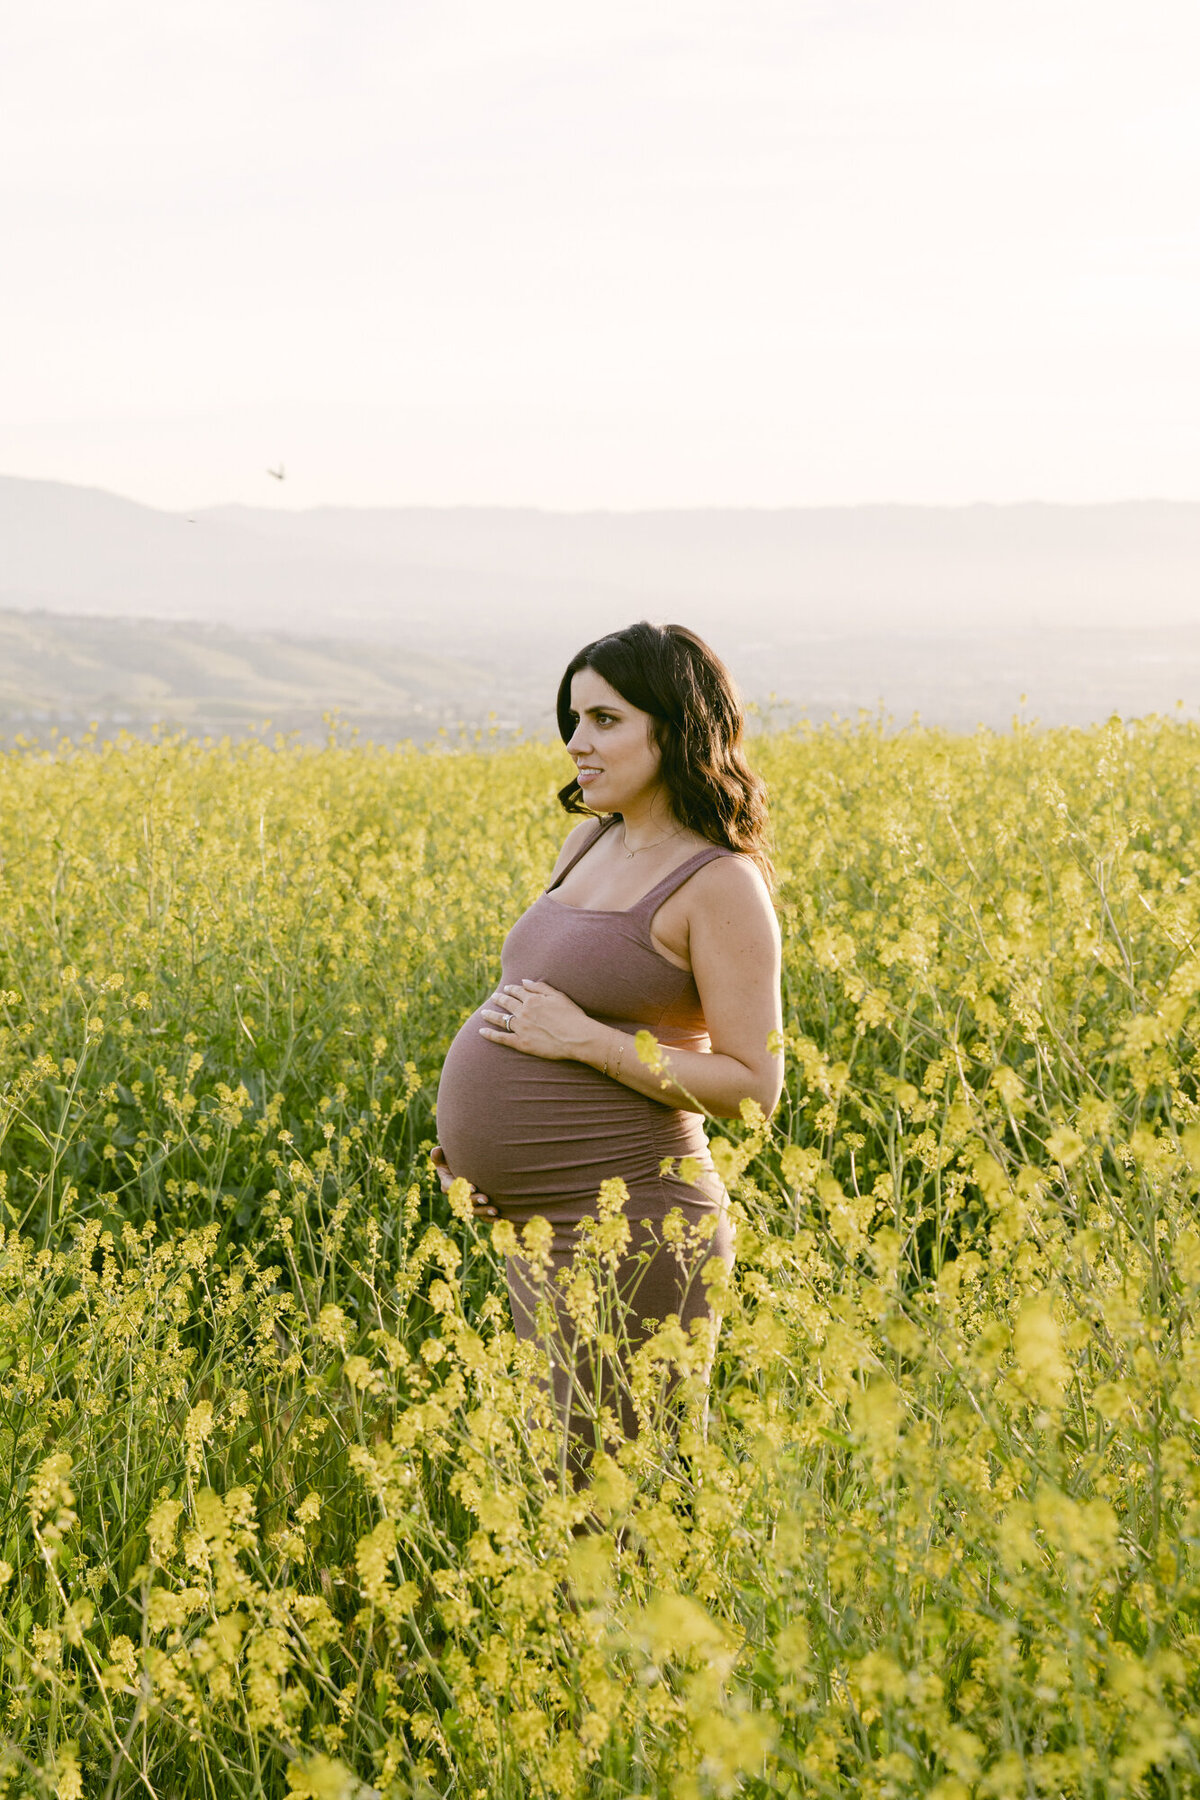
(408, 617)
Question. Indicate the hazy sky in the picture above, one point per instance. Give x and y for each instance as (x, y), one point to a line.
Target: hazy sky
(629, 253)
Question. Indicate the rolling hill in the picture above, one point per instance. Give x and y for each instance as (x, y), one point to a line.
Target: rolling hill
(409, 618)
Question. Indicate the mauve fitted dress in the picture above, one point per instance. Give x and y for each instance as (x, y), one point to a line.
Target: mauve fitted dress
(538, 1137)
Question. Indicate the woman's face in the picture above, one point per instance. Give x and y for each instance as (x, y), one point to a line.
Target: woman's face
(619, 763)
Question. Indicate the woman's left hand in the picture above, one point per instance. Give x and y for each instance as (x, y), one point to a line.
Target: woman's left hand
(544, 1022)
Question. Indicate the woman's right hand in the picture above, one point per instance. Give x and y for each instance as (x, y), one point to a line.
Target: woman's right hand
(480, 1203)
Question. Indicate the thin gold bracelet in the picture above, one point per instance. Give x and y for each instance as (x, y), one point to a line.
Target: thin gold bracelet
(620, 1053)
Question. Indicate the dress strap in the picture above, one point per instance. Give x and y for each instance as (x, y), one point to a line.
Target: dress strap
(650, 903)
(582, 852)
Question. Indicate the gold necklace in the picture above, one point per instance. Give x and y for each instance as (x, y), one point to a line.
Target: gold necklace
(630, 854)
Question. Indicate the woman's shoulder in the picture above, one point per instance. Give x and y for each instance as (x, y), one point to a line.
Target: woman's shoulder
(726, 911)
(732, 879)
(576, 838)
(586, 828)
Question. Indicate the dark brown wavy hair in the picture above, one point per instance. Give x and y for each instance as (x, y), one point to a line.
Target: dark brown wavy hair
(670, 673)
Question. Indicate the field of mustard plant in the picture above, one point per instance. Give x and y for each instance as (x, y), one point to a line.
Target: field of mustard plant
(276, 1516)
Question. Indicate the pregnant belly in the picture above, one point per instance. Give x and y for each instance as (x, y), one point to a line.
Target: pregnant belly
(522, 1129)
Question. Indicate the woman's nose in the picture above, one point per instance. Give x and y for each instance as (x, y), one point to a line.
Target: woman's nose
(578, 741)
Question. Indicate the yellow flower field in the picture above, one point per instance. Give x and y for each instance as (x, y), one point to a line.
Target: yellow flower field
(276, 1516)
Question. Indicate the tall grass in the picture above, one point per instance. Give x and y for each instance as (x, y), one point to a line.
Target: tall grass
(278, 1516)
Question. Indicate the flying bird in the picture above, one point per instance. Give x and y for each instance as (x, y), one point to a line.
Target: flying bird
(277, 473)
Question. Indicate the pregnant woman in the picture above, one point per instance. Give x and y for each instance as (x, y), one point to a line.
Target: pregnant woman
(657, 915)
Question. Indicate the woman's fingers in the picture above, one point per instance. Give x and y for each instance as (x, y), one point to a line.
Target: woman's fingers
(482, 1206)
(500, 1006)
(502, 1015)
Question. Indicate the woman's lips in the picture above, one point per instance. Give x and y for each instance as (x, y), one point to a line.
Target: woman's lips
(586, 776)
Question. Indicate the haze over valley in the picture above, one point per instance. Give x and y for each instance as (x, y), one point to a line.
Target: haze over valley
(409, 619)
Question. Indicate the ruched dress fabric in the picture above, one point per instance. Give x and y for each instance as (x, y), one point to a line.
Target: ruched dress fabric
(539, 1136)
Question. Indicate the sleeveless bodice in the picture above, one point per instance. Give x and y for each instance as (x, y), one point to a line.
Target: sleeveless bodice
(542, 1135)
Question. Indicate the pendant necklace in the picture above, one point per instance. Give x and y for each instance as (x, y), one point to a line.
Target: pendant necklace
(630, 854)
